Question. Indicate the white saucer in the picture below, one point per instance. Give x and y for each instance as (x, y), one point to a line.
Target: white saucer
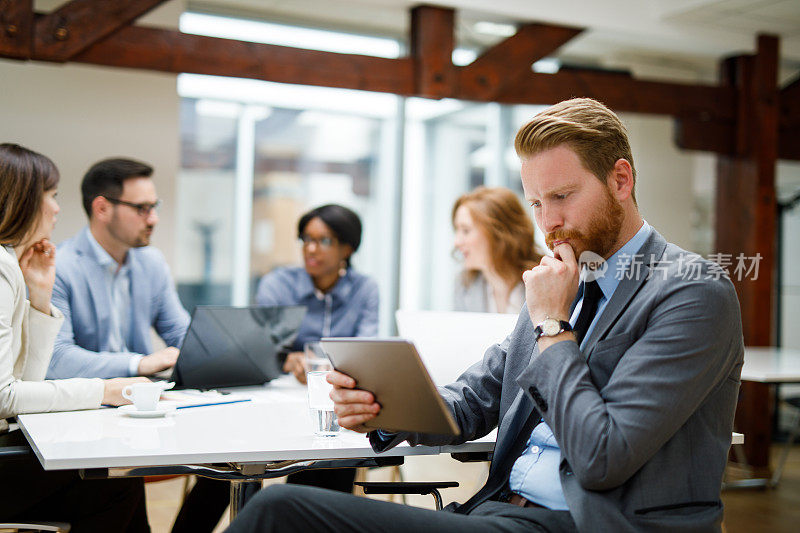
(131, 411)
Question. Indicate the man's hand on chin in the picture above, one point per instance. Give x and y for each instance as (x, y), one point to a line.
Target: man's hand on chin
(550, 288)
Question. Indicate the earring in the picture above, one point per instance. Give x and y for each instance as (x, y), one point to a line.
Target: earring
(342, 269)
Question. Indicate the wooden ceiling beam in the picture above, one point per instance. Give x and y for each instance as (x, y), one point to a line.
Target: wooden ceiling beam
(623, 93)
(789, 125)
(100, 33)
(16, 28)
(173, 51)
(78, 24)
(790, 103)
(788, 145)
(512, 59)
(717, 136)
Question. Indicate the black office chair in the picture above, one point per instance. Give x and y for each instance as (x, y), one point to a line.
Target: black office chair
(422, 487)
(11, 453)
(408, 487)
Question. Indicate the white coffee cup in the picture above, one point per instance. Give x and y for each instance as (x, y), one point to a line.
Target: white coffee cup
(145, 396)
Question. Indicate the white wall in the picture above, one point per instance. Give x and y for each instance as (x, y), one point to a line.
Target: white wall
(77, 115)
(665, 176)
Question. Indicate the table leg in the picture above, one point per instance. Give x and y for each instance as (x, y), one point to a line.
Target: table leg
(241, 492)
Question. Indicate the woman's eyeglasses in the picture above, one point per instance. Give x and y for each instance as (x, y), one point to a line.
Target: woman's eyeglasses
(324, 243)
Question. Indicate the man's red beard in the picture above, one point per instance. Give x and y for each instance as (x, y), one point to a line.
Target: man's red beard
(602, 234)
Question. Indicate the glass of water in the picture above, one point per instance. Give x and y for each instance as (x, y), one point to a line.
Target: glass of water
(319, 401)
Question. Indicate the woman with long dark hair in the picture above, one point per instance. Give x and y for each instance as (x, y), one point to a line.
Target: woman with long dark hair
(28, 327)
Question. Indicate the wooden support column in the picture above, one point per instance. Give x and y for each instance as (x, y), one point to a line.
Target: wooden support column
(745, 221)
(432, 43)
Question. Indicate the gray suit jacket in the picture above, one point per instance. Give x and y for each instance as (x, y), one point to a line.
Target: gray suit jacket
(643, 416)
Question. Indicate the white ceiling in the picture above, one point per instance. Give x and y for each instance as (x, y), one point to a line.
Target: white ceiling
(675, 39)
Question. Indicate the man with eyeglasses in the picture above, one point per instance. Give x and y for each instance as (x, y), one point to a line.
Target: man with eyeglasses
(112, 286)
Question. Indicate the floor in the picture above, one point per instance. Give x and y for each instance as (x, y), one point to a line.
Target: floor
(776, 510)
(773, 510)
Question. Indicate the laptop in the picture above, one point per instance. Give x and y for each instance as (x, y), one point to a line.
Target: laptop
(449, 342)
(235, 346)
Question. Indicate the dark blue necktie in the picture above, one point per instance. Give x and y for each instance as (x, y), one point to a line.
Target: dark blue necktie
(591, 298)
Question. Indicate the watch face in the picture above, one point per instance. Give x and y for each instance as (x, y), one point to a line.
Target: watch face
(550, 327)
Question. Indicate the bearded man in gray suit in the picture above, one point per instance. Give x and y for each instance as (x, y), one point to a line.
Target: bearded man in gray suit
(613, 396)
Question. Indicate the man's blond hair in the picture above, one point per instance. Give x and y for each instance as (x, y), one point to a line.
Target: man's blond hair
(588, 127)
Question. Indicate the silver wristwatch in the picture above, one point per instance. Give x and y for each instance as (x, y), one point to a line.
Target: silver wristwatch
(550, 327)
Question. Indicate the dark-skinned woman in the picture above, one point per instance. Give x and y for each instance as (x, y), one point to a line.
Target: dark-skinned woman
(339, 301)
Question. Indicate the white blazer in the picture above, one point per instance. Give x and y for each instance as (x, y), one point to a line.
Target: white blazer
(26, 345)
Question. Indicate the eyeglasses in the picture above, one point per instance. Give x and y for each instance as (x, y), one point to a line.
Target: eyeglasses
(143, 209)
(324, 243)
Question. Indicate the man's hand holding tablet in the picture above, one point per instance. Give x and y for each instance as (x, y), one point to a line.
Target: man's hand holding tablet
(353, 406)
(395, 392)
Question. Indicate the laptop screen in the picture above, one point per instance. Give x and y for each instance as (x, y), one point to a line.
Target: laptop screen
(235, 346)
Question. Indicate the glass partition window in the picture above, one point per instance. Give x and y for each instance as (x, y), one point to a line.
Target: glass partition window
(205, 202)
(451, 147)
(252, 166)
(257, 155)
(307, 158)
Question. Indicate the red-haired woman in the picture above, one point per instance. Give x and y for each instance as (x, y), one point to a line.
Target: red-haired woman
(494, 236)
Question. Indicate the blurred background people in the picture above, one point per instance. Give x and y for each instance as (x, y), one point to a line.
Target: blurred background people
(495, 239)
(340, 302)
(28, 327)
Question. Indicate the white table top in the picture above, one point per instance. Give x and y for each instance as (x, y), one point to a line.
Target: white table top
(274, 426)
(771, 365)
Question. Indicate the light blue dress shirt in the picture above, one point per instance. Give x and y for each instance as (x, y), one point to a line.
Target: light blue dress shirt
(350, 309)
(118, 283)
(535, 473)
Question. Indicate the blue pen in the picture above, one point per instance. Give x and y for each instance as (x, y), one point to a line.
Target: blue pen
(211, 403)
